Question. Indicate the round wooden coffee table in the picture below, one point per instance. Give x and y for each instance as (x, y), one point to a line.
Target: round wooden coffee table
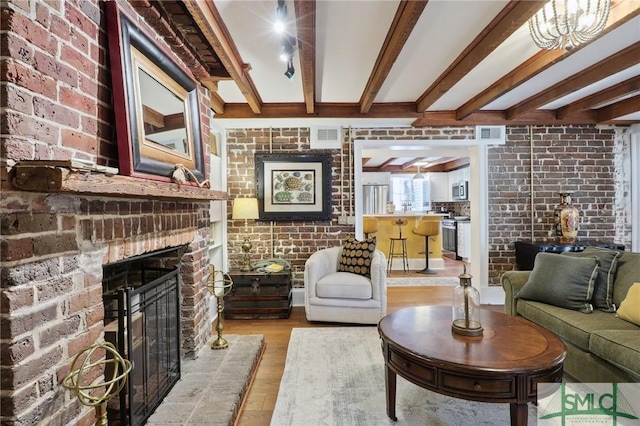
(504, 365)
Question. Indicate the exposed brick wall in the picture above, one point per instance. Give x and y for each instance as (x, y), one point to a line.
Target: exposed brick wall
(57, 93)
(582, 159)
(296, 241)
(546, 160)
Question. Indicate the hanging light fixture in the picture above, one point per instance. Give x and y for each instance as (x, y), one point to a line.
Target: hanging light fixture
(564, 24)
(418, 176)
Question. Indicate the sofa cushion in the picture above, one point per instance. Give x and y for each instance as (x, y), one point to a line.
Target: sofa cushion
(603, 287)
(357, 255)
(619, 347)
(629, 309)
(344, 285)
(570, 325)
(628, 273)
(562, 281)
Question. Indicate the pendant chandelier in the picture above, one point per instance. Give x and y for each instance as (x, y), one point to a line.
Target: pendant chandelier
(564, 24)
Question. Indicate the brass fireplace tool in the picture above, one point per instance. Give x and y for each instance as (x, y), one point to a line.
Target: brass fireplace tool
(219, 285)
(116, 367)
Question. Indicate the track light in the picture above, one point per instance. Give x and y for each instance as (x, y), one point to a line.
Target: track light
(290, 70)
(288, 40)
(280, 23)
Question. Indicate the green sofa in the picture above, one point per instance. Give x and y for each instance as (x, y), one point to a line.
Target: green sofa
(601, 347)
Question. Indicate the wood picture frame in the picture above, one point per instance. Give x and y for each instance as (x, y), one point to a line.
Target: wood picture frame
(293, 187)
(157, 112)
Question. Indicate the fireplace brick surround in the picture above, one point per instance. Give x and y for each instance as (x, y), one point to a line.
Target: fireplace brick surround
(57, 92)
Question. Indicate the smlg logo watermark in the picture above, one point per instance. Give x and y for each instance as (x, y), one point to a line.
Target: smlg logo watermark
(573, 404)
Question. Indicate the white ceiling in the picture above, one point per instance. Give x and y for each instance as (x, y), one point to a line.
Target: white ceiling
(349, 41)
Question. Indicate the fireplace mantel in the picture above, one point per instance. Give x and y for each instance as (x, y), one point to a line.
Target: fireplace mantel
(62, 179)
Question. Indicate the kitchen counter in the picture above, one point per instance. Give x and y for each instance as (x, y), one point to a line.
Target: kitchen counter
(387, 228)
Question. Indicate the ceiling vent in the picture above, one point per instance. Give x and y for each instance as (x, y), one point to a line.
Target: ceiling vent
(491, 134)
(326, 137)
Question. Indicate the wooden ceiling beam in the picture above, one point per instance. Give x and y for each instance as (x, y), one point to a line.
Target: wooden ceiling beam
(617, 62)
(406, 17)
(322, 110)
(208, 19)
(409, 164)
(511, 18)
(215, 102)
(306, 30)
(387, 163)
(537, 117)
(619, 109)
(620, 13)
(611, 93)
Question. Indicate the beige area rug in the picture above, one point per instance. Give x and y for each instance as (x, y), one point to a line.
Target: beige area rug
(335, 377)
(422, 281)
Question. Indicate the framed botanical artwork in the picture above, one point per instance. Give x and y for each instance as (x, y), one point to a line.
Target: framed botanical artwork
(293, 186)
(155, 103)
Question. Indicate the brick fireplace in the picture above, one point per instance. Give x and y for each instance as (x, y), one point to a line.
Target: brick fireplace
(55, 241)
(52, 304)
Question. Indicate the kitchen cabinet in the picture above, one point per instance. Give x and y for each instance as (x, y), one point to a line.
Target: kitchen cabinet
(464, 240)
(439, 186)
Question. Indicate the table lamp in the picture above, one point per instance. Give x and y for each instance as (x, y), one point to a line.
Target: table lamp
(245, 208)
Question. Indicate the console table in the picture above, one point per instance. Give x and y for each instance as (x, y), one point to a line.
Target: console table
(258, 295)
(526, 250)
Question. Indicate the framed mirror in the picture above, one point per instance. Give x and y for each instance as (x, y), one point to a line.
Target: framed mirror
(155, 102)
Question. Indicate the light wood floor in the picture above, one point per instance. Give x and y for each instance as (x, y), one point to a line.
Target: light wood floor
(261, 398)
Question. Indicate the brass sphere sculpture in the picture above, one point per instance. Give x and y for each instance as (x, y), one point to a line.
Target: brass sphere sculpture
(112, 385)
(219, 285)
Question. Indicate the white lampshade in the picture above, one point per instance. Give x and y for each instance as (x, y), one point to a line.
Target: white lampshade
(245, 208)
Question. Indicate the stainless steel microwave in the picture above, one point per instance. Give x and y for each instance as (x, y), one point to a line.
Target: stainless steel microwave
(460, 190)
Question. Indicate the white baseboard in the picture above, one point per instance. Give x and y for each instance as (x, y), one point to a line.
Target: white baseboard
(297, 296)
(489, 295)
(417, 264)
(492, 295)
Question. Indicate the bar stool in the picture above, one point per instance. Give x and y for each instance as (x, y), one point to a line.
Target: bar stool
(369, 226)
(427, 228)
(403, 246)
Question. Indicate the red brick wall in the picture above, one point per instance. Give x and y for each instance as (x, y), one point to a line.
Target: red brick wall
(576, 158)
(57, 93)
(546, 160)
(296, 241)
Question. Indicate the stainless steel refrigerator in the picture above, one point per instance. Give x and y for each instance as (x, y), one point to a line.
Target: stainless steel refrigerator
(375, 198)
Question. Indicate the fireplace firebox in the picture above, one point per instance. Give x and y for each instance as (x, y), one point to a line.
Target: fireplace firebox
(142, 318)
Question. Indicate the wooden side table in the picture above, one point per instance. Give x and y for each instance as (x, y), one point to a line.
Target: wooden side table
(256, 295)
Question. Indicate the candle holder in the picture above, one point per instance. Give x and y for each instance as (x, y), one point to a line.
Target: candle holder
(86, 391)
(466, 307)
(219, 285)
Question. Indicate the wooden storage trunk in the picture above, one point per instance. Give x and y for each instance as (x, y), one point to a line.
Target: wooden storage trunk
(258, 295)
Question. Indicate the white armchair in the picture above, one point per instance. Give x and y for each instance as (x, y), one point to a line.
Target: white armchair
(343, 296)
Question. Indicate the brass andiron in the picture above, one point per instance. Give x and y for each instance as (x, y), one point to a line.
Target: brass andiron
(120, 370)
(219, 285)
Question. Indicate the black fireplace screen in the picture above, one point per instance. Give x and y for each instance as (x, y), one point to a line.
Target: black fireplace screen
(145, 327)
